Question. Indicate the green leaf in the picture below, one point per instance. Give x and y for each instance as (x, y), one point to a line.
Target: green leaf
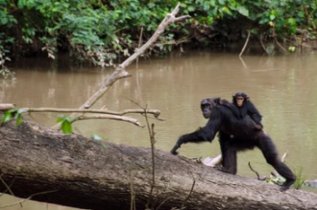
(291, 21)
(19, 119)
(7, 116)
(66, 124)
(221, 2)
(272, 16)
(60, 119)
(190, 8)
(243, 11)
(67, 127)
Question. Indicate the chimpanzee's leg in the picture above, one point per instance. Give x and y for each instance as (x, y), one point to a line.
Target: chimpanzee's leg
(229, 156)
(270, 153)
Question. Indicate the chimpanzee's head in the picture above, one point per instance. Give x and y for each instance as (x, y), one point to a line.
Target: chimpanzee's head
(207, 106)
(239, 98)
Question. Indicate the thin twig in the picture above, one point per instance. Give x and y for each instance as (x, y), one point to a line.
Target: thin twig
(262, 44)
(140, 42)
(245, 44)
(132, 202)
(284, 157)
(109, 117)
(189, 194)
(26, 199)
(8, 188)
(279, 45)
(152, 141)
(162, 203)
(257, 173)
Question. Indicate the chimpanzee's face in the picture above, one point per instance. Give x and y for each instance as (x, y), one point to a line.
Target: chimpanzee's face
(206, 106)
(239, 101)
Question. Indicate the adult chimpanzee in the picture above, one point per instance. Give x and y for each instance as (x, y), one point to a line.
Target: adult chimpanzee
(234, 135)
(246, 107)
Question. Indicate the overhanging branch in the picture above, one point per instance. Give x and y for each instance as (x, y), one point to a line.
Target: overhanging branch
(154, 112)
(120, 71)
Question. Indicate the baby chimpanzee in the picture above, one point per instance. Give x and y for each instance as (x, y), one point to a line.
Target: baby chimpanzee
(246, 107)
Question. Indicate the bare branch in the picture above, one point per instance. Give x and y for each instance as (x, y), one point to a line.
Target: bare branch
(262, 45)
(181, 18)
(245, 44)
(109, 117)
(280, 45)
(120, 72)
(154, 112)
(169, 19)
(4, 107)
(108, 82)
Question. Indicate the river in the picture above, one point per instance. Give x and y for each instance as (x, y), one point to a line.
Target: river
(283, 88)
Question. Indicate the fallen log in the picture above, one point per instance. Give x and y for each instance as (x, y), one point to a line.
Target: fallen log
(76, 171)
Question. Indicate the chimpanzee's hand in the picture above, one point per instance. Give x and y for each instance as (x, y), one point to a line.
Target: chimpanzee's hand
(178, 144)
(174, 150)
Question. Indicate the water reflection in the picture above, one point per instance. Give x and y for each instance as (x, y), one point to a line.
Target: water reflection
(282, 87)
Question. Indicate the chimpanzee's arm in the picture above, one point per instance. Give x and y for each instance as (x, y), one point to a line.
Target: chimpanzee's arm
(253, 112)
(206, 133)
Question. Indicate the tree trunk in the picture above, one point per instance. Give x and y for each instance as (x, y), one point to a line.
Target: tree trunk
(76, 171)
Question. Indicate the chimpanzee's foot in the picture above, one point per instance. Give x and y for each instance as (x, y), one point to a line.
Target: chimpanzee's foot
(286, 185)
(225, 170)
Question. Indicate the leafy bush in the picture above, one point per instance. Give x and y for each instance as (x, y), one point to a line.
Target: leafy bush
(100, 31)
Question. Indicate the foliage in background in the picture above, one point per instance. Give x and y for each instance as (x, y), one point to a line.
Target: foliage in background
(101, 31)
(4, 71)
(13, 114)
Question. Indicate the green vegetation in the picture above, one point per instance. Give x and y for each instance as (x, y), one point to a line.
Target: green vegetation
(16, 114)
(11, 114)
(101, 31)
(299, 179)
(66, 124)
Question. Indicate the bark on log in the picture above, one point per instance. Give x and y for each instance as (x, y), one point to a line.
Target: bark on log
(88, 174)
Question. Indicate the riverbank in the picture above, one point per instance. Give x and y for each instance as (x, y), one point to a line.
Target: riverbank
(102, 33)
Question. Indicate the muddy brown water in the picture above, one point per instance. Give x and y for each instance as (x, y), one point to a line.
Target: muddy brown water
(284, 88)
